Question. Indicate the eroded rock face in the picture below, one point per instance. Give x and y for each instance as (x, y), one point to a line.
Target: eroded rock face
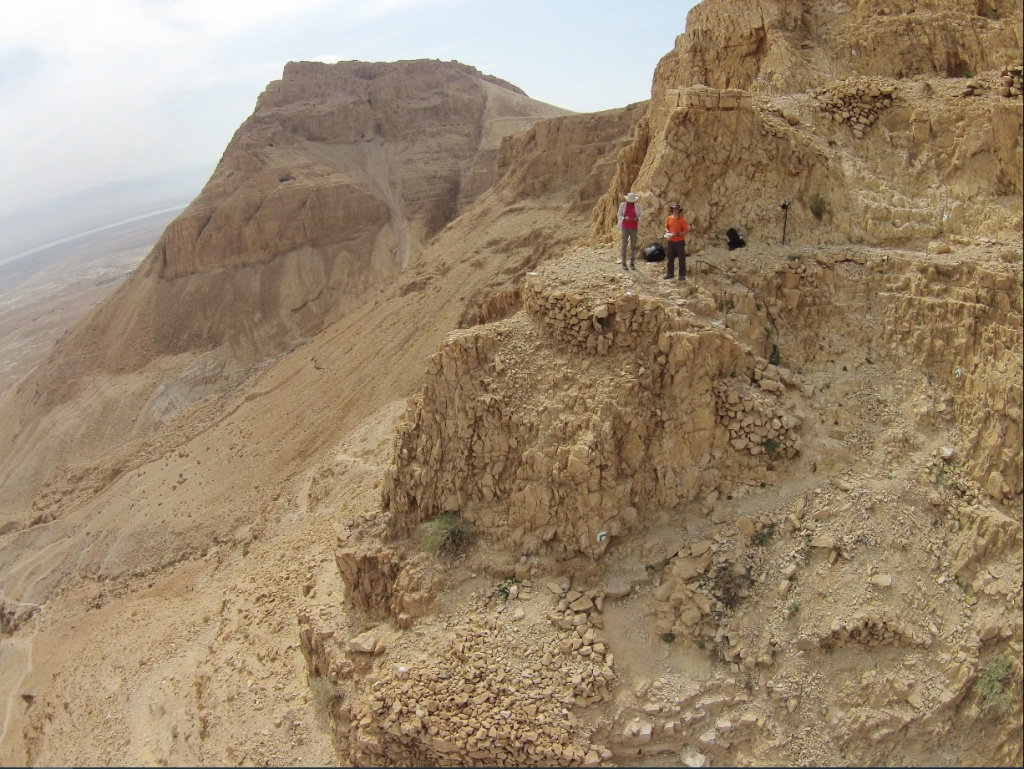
(793, 45)
(325, 193)
(333, 153)
(780, 96)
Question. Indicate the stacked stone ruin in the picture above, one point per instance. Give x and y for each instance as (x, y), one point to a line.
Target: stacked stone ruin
(856, 102)
(489, 700)
(1011, 80)
(754, 419)
(868, 631)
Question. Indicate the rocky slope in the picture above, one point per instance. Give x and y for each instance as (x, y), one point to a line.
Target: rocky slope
(530, 509)
(131, 526)
(320, 201)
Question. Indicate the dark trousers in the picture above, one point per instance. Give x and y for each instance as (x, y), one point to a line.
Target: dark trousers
(676, 249)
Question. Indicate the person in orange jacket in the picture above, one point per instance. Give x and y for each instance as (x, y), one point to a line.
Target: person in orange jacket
(675, 230)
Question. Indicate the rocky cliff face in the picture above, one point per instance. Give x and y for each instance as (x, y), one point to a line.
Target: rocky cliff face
(340, 177)
(880, 128)
(528, 508)
(323, 196)
(612, 409)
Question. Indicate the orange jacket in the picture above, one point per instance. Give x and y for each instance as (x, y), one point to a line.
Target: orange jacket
(677, 228)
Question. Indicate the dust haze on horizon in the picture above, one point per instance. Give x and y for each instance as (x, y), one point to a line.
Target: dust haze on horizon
(124, 89)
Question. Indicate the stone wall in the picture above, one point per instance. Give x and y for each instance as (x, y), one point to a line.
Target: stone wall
(642, 418)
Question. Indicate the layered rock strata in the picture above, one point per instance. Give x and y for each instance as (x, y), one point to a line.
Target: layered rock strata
(772, 108)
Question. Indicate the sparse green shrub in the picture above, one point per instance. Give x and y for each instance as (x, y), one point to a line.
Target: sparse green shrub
(446, 535)
(668, 637)
(995, 685)
(765, 535)
(505, 588)
(818, 206)
(770, 446)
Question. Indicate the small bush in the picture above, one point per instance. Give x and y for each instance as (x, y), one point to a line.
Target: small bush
(731, 588)
(770, 446)
(995, 686)
(765, 535)
(447, 535)
(818, 206)
(668, 637)
(505, 588)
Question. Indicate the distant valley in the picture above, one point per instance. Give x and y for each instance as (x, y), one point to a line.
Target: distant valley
(44, 294)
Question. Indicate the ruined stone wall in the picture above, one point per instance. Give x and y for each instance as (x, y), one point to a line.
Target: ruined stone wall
(959, 323)
(565, 464)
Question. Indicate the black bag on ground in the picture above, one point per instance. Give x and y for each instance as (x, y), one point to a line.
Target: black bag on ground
(654, 253)
(735, 239)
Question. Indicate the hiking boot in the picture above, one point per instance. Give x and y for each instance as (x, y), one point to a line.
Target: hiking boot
(632, 267)
(623, 266)
(669, 277)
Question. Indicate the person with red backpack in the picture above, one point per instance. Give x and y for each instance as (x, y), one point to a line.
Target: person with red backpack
(629, 219)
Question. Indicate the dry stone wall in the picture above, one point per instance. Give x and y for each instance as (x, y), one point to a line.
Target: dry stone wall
(958, 321)
(639, 419)
(857, 103)
(1012, 81)
(479, 705)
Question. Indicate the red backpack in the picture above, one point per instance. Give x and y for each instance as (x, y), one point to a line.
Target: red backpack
(629, 217)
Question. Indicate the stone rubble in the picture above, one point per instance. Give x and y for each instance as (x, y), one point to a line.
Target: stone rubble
(856, 102)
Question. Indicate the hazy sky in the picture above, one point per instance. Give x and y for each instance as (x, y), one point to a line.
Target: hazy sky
(105, 90)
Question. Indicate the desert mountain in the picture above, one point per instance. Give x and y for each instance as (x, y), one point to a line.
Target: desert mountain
(321, 199)
(529, 508)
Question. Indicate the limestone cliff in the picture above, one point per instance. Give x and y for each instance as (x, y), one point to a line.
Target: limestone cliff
(883, 124)
(340, 177)
(615, 407)
(323, 196)
(768, 515)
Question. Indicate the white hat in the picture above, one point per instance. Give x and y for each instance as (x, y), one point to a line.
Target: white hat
(630, 197)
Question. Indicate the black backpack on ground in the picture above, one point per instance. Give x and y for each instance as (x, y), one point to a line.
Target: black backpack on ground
(735, 239)
(654, 253)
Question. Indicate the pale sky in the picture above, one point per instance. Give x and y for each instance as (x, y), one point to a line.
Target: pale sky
(107, 90)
